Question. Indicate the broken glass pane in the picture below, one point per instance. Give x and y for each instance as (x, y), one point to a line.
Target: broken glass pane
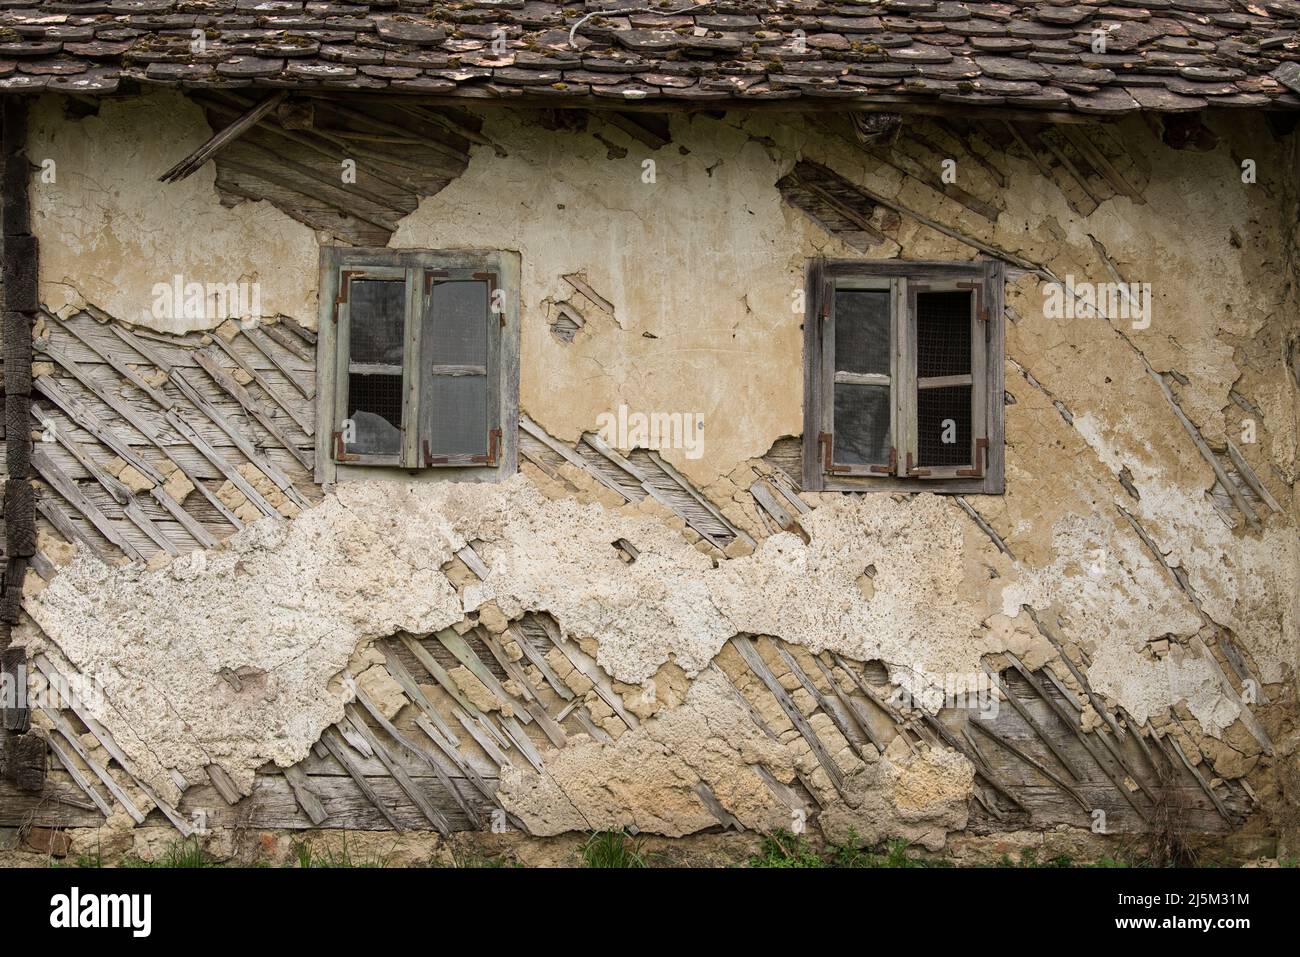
(374, 419)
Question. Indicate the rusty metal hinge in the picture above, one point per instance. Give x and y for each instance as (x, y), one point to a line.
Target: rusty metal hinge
(431, 276)
(893, 464)
(827, 442)
(345, 284)
(340, 454)
(915, 471)
(981, 446)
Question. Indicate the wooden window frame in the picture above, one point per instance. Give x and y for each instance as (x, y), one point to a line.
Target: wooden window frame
(985, 473)
(420, 269)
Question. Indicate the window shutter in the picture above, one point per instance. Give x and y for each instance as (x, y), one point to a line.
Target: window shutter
(460, 343)
(860, 375)
(949, 345)
(371, 314)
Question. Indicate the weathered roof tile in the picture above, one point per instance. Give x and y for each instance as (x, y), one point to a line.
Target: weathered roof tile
(1106, 57)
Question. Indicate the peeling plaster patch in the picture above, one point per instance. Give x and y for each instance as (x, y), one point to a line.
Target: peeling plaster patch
(1245, 582)
(289, 601)
(647, 778)
(1148, 688)
(109, 231)
(917, 797)
(293, 602)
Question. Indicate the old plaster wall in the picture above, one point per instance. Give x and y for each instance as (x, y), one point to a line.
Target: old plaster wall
(1107, 515)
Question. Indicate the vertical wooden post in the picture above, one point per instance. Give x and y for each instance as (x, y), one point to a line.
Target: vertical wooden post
(24, 752)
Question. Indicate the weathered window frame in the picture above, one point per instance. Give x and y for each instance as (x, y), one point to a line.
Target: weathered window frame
(904, 280)
(420, 269)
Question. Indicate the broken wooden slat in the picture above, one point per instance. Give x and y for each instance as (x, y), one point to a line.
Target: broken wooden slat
(77, 411)
(822, 702)
(223, 783)
(1247, 716)
(119, 492)
(1037, 728)
(473, 562)
(142, 426)
(78, 778)
(62, 726)
(404, 781)
(463, 653)
(1200, 779)
(65, 486)
(303, 794)
(537, 659)
(533, 701)
(1248, 474)
(258, 339)
(240, 442)
(250, 405)
(303, 422)
(1071, 722)
(588, 667)
(1238, 499)
(1080, 140)
(333, 741)
(854, 708)
(289, 341)
(224, 138)
(64, 525)
(1044, 770)
(423, 755)
(756, 664)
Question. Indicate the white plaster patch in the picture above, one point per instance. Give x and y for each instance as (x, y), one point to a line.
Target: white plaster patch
(109, 231)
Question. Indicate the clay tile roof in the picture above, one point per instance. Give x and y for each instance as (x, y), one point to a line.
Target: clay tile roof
(1103, 57)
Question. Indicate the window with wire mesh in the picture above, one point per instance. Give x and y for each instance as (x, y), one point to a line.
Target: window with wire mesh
(376, 334)
(862, 348)
(943, 350)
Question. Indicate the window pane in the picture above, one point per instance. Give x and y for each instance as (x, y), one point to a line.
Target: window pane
(457, 410)
(862, 330)
(943, 420)
(457, 324)
(942, 334)
(375, 411)
(861, 424)
(377, 320)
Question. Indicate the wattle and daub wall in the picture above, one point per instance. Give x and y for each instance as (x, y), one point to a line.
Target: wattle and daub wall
(675, 639)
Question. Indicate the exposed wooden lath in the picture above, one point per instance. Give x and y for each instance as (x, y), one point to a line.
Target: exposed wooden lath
(353, 172)
(835, 203)
(172, 410)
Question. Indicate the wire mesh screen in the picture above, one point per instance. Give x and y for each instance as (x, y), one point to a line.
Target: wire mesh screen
(943, 426)
(861, 424)
(375, 412)
(376, 320)
(862, 330)
(457, 414)
(943, 345)
(457, 324)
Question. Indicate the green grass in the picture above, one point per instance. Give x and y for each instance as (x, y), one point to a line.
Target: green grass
(613, 849)
(461, 857)
(186, 853)
(307, 855)
(782, 849)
